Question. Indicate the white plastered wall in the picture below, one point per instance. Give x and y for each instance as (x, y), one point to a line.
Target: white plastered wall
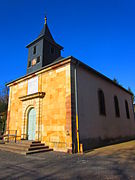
(91, 123)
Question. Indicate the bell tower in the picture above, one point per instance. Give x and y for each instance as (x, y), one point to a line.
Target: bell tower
(43, 50)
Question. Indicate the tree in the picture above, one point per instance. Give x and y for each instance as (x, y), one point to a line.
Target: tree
(115, 81)
(133, 96)
(3, 117)
(3, 107)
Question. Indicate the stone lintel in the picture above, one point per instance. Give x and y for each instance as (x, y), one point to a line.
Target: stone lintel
(32, 96)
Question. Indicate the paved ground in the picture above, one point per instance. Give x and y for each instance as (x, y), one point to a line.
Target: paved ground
(112, 162)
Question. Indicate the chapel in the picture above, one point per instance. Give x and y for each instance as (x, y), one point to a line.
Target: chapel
(66, 104)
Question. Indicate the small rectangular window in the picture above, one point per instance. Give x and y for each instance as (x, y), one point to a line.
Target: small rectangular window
(34, 50)
(127, 109)
(116, 105)
(38, 59)
(52, 50)
(101, 99)
(29, 63)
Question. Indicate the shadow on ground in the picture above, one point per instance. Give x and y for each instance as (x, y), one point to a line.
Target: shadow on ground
(112, 162)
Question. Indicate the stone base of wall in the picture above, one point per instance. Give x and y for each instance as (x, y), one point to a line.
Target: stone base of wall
(91, 143)
(58, 146)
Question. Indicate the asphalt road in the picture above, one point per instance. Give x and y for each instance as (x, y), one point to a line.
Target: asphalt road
(112, 162)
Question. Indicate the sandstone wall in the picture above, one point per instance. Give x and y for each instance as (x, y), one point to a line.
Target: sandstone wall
(53, 111)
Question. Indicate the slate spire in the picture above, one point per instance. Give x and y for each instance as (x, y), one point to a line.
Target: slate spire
(43, 50)
(46, 32)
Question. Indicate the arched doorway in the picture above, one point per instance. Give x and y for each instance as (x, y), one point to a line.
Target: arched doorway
(31, 124)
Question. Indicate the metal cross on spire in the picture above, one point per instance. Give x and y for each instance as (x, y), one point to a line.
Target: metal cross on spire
(45, 20)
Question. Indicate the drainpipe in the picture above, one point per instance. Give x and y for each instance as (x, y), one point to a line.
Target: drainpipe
(76, 106)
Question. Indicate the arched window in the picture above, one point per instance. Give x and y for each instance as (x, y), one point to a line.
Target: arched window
(101, 100)
(127, 109)
(116, 104)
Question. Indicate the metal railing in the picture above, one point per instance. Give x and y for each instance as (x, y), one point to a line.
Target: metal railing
(10, 133)
(1, 135)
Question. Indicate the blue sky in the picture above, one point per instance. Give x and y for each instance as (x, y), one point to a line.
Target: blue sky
(101, 33)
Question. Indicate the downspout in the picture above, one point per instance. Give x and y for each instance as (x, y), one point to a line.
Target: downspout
(76, 106)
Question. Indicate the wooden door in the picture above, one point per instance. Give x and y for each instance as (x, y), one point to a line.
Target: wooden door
(31, 124)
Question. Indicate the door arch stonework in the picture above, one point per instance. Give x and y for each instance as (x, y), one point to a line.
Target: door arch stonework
(28, 102)
(26, 107)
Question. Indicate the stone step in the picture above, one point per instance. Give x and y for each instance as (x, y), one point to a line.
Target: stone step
(25, 152)
(37, 144)
(39, 151)
(38, 147)
(26, 142)
(12, 150)
(17, 145)
(34, 142)
(18, 148)
(25, 148)
(2, 142)
(25, 145)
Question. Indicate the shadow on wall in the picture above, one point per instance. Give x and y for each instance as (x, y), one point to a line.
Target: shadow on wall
(90, 143)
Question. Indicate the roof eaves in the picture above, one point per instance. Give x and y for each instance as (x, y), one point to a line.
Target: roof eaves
(33, 73)
(103, 76)
(40, 37)
(74, 60)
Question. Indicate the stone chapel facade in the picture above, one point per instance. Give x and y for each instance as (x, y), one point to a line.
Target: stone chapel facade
(65, 103)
